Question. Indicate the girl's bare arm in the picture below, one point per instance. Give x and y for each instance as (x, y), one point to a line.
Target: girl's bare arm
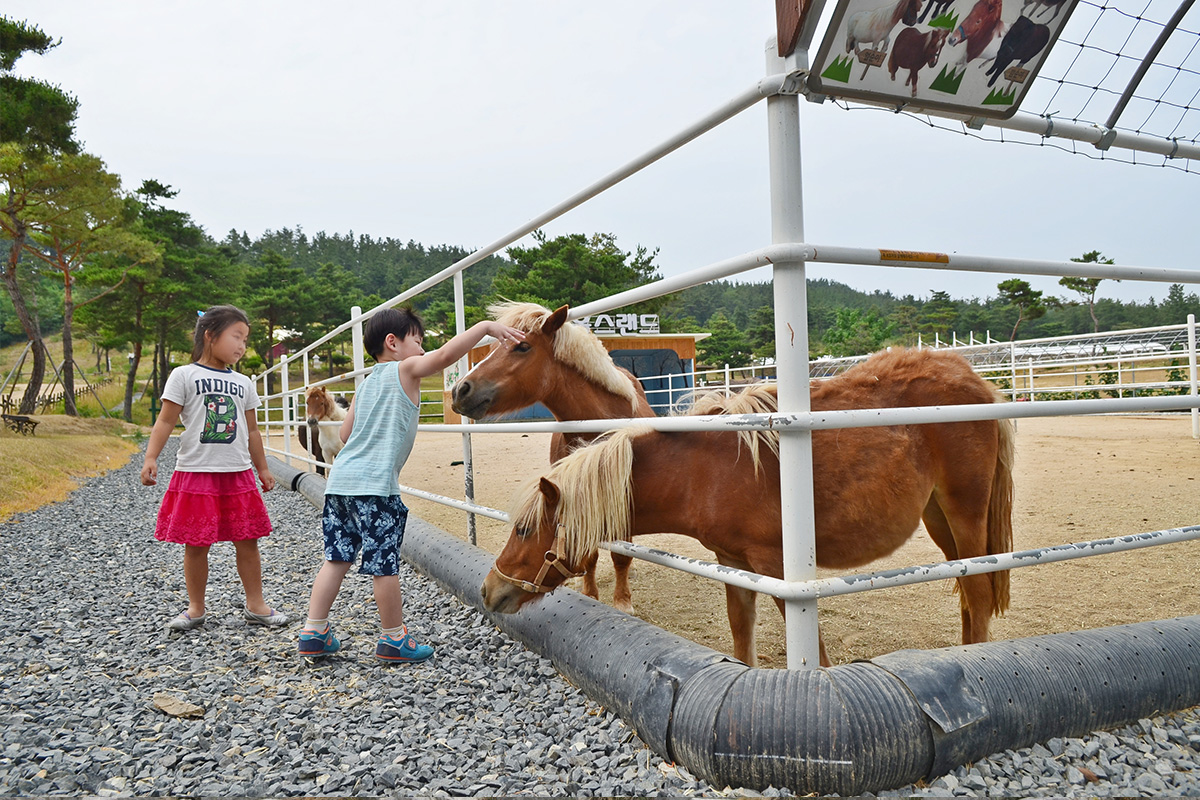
(258, 456)
(163, 426)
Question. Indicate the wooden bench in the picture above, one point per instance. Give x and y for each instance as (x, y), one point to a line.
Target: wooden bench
(18, 423)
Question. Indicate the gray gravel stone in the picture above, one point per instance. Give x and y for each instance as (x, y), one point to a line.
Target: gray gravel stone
(88, 593)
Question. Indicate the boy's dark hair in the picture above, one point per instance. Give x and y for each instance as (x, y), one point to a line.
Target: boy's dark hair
(399, 322)
(214, 322)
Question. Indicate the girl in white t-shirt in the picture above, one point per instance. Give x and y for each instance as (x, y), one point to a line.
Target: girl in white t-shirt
(212, 496)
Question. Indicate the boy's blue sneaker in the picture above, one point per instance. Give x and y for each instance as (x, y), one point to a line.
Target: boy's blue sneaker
(404, 649)
(318, 645)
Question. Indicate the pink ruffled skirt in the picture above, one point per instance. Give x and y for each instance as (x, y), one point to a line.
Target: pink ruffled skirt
(201, 508)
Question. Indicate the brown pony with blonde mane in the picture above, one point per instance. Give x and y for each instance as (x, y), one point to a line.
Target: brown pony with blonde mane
(566, 368)
(872, 486)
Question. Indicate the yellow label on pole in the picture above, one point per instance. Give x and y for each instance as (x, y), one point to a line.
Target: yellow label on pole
(914, 255)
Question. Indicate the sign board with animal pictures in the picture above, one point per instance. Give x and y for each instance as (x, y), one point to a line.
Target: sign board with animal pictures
(974, 57)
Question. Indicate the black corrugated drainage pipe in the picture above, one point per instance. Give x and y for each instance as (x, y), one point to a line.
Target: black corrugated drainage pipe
(854, 728)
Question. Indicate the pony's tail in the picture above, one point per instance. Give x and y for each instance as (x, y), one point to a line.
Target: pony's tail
(999, 537)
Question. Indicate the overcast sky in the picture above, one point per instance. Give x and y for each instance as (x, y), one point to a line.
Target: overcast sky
(455, 123)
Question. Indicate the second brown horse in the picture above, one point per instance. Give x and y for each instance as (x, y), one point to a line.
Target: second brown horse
(872, 486)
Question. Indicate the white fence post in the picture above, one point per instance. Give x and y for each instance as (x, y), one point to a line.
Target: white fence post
(289, 415)
(1012, 358)
(791, 348)
(460, 325)
(265, 410)
(356, 345)
(1192, 372)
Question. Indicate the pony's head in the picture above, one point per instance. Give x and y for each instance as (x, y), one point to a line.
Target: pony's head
(560, 519)
(510, 379)
(319, 403)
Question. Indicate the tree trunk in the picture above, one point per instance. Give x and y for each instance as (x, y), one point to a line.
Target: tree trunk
(131, 380)
(68, 365)
(28, 320)
(163, 353)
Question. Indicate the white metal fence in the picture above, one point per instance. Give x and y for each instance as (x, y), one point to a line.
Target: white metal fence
(787, 256)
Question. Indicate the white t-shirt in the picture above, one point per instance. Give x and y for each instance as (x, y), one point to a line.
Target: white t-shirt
(215, 402)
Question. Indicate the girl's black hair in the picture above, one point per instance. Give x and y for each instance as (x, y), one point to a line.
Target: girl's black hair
(214, 322)
(399, 322)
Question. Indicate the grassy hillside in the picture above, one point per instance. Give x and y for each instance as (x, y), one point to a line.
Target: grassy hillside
(49, 465)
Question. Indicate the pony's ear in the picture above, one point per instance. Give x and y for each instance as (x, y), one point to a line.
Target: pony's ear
(549, 490)
(555, 321)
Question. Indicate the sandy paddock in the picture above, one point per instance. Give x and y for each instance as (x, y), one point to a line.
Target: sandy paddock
(1076, 479)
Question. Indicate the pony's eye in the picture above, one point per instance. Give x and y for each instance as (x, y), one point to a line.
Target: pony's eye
(521, 347)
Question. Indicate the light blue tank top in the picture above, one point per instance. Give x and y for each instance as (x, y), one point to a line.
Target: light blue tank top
(385, 424)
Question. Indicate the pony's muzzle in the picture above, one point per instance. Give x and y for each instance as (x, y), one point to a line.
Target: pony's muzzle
(500, 597)
(471, 399)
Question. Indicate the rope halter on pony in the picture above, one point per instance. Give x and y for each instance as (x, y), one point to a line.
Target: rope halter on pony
(554, 558)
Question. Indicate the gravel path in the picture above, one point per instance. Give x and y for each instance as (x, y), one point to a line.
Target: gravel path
(88, 593)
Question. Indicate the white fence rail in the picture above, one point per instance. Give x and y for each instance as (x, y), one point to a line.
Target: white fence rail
(787, 257)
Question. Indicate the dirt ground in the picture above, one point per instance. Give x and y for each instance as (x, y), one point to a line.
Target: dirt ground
(1076, 479)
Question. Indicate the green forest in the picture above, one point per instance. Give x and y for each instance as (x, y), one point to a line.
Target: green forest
(121, 270)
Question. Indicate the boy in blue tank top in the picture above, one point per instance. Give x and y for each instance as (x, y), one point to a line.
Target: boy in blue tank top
(363, 511)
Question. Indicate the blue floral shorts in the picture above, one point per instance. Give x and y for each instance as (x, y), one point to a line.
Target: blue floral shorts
(374, 525)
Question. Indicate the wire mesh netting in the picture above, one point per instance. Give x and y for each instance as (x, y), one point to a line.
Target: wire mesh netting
(1097, 58)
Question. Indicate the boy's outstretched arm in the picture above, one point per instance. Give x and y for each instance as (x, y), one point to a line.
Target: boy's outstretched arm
(435, 361)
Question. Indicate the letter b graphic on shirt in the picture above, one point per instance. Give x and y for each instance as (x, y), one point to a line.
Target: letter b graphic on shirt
(220, 420)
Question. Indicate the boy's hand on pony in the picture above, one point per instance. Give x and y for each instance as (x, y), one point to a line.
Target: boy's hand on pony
(150, 472)
(504, 333)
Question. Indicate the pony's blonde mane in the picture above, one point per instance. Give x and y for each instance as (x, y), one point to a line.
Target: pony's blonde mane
(596, 495)
(595, 481)
(574, 345)
(757, 398)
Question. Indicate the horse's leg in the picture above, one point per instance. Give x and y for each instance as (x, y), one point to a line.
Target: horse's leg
(589, 576)
(741, 605)
(622, 597)
(975, 591)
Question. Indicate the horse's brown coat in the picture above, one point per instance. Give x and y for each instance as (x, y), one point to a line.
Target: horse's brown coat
(872, 486)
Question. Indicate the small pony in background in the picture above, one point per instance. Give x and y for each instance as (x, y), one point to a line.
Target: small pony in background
(324, 407)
